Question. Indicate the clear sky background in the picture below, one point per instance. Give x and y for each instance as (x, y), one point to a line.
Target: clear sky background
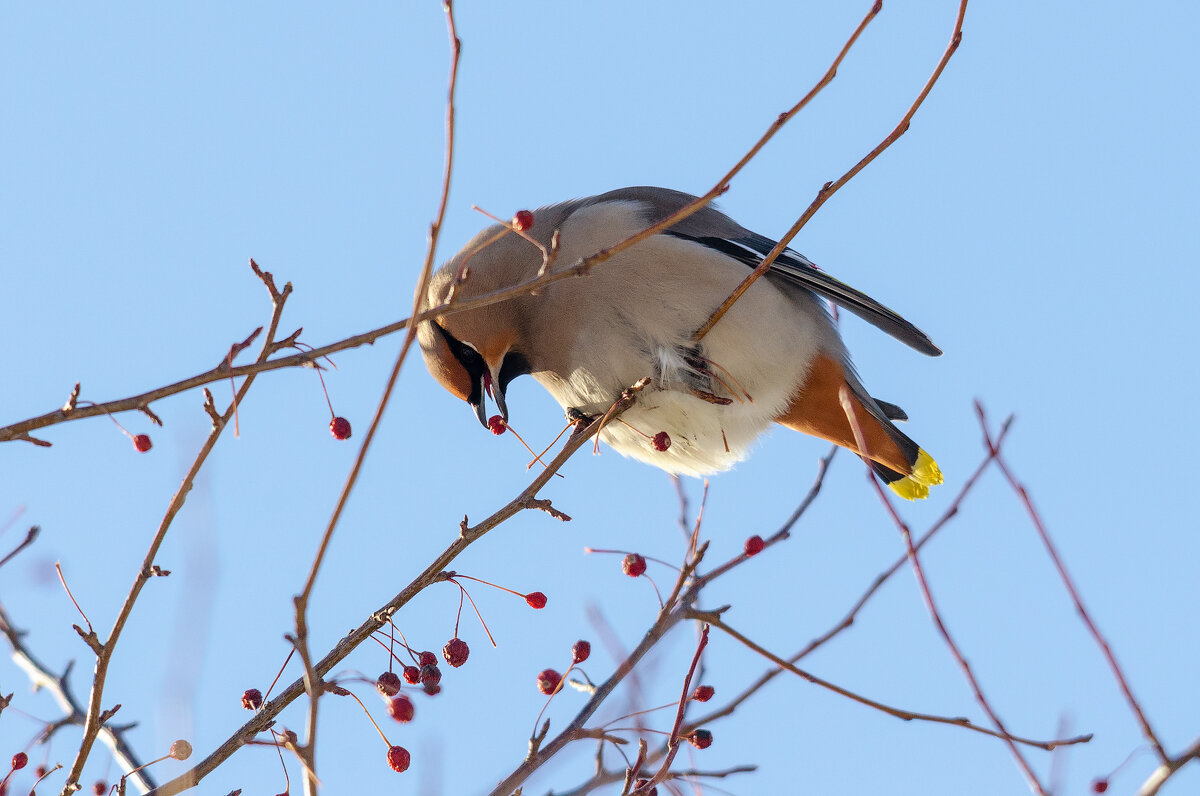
(1039, 221)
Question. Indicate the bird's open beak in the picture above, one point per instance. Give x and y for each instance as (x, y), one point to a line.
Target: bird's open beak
(489, 386)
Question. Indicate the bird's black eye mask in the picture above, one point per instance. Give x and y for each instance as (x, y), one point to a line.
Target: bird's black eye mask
(471, 361)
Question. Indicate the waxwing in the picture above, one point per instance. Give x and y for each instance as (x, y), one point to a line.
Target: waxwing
(775, 357)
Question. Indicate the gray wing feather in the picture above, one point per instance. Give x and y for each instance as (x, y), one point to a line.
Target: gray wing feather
(712, 228)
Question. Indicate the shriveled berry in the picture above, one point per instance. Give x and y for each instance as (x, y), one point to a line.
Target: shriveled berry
(548, 680)
(536, 600)
(432, 689)
(661, 441)
(580, 651)
(497, 425)
(633, 565)
(412, 675)
(40, 771)
(252, 699)
(399, 759)
(99, 787)
(641, 783)
(701, 739)
(755, 545)
(142, 443)
(1100, 785)
(703, 693)
(339, 427)
(455, 652)
(19, 761)
(181, 750)
(427, 658)
(522, 220)
(388, 684)
(401, 709)
(430, 675)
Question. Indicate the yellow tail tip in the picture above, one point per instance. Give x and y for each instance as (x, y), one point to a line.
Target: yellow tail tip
(925, 473)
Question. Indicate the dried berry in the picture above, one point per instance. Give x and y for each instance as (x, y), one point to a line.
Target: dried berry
(412, 675)
(701, 739)
(339, 427)
(181, 750)
(399, 758)
(40, 771)
(252, 699)
(427, 658)
(755, 545)
(497, 425)
(430, 675)
(548, 680)
(455, 652)
(19, 761)
(522, 221)
(536, 600)
(641, 783)
(661, 441)
(388, 684)
(703, 693)
(580, 651)
(432, 689)
(633, 565)
(142, 443)
(1100, 785)
(401, 709)
(99, 787)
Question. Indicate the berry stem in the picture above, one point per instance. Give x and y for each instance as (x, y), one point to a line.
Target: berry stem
(538, 458)
(280, 673)
(472, 601)
(354, 696)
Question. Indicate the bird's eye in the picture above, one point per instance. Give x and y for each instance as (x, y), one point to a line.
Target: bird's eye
(471, 361)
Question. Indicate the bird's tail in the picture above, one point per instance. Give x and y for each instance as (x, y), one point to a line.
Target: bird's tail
(818, 410)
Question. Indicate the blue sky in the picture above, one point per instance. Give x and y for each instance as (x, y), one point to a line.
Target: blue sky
(1038, 221)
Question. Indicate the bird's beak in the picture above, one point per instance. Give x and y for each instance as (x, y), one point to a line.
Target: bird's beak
(489, 385)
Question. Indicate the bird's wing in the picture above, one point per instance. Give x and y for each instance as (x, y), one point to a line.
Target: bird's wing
(712, 228)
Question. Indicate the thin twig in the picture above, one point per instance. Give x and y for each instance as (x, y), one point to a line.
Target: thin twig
(92, 723)
(1069, 584)
(830, 188)
(30, 536)
(848, 405)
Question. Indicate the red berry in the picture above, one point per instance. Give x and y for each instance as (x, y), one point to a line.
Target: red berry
(522, 221)
(701, 739)
(40, 771)
(399, 758)
(641, 783)
(19, 761)
(455, 652)
(427, 658)
(703, 693)
(388, 684)
(755, 545)
(181, 750)
(536, 600)
(580, 651)
(100, 787)
(432, 689)
(497, 425)
(142, 443)
(661, 441)
(430, 675)
(1100, 785)
(339, 427)
(401, 709)
(548, 680)
(412, 675)
(252, 699)
(633, 565)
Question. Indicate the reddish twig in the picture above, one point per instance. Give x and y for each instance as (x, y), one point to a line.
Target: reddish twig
(830, 188)
(860, 439)
(1069, 584)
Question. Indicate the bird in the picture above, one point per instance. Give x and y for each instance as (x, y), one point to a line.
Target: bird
(776, 356)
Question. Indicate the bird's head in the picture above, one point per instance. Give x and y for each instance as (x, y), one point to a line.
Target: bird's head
(476, 353)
